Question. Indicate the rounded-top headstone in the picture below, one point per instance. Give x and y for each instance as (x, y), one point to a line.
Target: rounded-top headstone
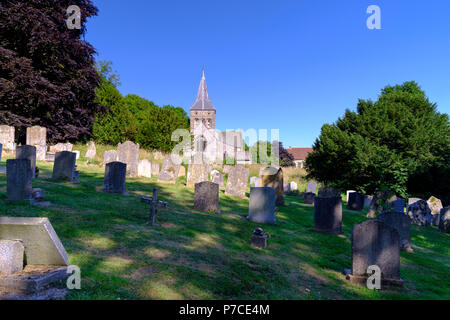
(206, 197)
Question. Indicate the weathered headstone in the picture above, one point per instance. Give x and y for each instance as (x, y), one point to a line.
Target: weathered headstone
(18, 180)
(155, 168)
(144, 168)
(37, 136)
(169, 171)
(237, 181)
(348, 194)
(273, 177)
(398, 205)
(128, 153)
(29, 153)
(311, 187)
(64, 166)
(218, 178)
(294, 186)
(11, 256)
(114, 181)
(197, 173)
(91, 150)
(419, 213)
(7, 137)
(60, 147)
(444, 220)
(206, 196)
(262, 205)
(286, 187)
(376, 243)
(413, 200)
(328, 214)
(109, 156)
(227, 169)
(382, 201)
(435, 205)
(400, 222)
(308, 197)
(355, 201)
(42, 245)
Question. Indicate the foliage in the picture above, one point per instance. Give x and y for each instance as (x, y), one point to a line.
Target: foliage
(399, 141)
(47, 76)
(286, 159)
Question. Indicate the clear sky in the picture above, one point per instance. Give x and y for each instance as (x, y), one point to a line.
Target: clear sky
(288, 65)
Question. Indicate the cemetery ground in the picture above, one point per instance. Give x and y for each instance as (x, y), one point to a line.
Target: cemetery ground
(198, 255)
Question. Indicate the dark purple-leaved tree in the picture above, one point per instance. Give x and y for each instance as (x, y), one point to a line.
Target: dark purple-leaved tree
(47, 74)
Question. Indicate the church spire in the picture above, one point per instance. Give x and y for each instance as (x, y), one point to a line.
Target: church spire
(202, 102)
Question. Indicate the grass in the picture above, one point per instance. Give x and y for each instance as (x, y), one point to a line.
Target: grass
(196, 255)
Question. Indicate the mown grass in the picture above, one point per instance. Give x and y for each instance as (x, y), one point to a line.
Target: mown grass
(196, 255)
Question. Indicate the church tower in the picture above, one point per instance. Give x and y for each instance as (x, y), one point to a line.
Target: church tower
(203, 111)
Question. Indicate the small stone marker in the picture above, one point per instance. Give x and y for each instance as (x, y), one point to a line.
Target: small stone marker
(376, 243)
(273, 177)
(262, 205)
(11, 256)
(109, 156)
(37, 136)
(29, 153)
(218, 178)
(400, 222)
(435, 205)
(419, 213)
(128, 153)
(311, 187)
(206, 196)
(169, 171)
(144, 168)
(444, 220)
(237, 181)
(197, 173)
(18, 180)
(294, 186)
(114, 181)
(259, 238)
(355, 201)
(64, 166)
(7, 137)
(328, 214)
(91, 150)
(42, 245)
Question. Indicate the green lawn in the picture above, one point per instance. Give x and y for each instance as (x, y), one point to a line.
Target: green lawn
(196, 255)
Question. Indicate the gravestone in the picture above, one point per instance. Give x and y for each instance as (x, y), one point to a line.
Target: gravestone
(348, 194)
(367, 200)
(197, 173)
(218, 178)
(294, 186)
(419, 213)
(311, 187)
(1, 149)
(37, 136)
(399, 205)
(237, 181)
(435, 205)
(382, 201)
(91, 150)
(77, 153)
(262, 205)
(376, 243)
(444, 220)
(155, 168)
(328, 214)
(413, 200)
(329, 192)
(64, 166)
(29, 153)
(253, 180)
(11, 256)
(18, 180)
(60, 147)
(273, 177)
(158, 155)
(227, 169)
(286, 187)
(7, 137)
(400, 222)
(259, 183)
(42, 245)
(206, 196)
(259, 238)
(355, 201)
(109, 156)
(145, 169)
(114, 181)
(128, 153)
(169, 171)
(308, 197)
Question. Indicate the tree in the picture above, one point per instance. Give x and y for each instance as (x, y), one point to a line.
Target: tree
(286, 159)
(47, 74)
(399, 141)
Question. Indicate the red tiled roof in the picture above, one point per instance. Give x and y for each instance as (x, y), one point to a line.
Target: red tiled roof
(300, 153)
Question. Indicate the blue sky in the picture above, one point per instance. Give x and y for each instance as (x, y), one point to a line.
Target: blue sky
(288, 65)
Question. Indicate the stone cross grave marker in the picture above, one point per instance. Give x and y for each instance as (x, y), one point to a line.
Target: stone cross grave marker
(154, 202)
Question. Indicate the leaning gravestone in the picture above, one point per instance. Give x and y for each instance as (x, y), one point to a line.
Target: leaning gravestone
(419, 213)
(262, 205)
(311, 187)
(197, 173)
(18, 180)
(218, 178)
(169, 171)
(273, 177)
(144, 169)
(114, 181)
(91, 150)
(375, 243)
(237, 181)
(206, 196)
(128, 153)
(355, 201)
(64, 166)
(37, 136)
(109, 156)
(328, 214)
(444, 220)
(7, 137)
(400, 222)
(29, 153)
(435, 205)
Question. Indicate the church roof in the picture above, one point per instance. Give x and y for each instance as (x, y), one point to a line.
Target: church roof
(202, 102)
